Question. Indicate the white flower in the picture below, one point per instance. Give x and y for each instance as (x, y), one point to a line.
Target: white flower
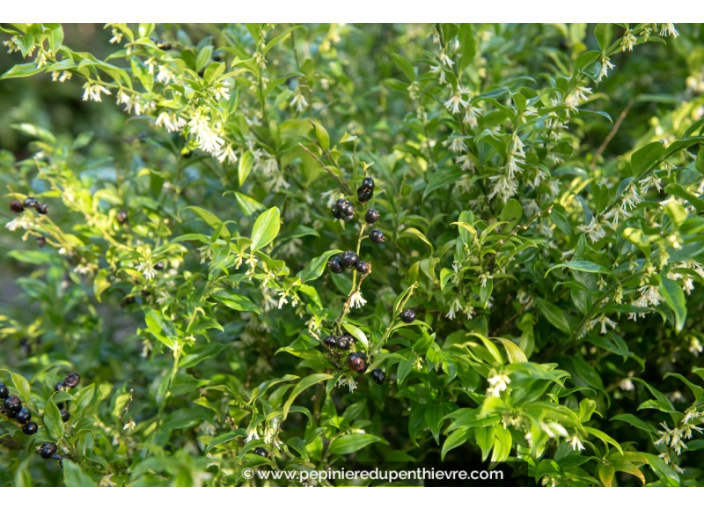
(626, 385)
(92, 91)
(116, 36)
(440, 71)
(226, 153)
(504, 187)
(606, 65)
(594, 230)
(470, 115)
(147, 269)
(130, 102)
(61, 77)
(576, 444)
(445, 59)
(669, 29)
(456, 102)
(151, 63)
(282, 300)
(357, 301)
(252, 435)
(458, 145)
(220, 91)
(299, 102)
(632, 198)
(349, 381)
(497, 384)
(165, 75)
(465, 162)
(24, 222)
(628, 41)
(170, 121)
(695, 347)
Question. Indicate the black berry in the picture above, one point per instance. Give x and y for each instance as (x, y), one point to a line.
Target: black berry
(408, 316)
(42, 208)
(72, 380)
(30, 202)
(4, 392)
(362, 267)
(60, 386)
(345, 341)
(349, 259)
(364, 196)
(330, 341)
(335, 265)
(371, 216)
(379, 376)
(122, 216)
(377, 236)
(41, 241)
(30, 429)
(159, 266)
(367, 184)
(65, 415)
(16, 206)
(261, 451)
(13, 404)
(47, 450)
(343, 210)
(357, 363)
(23, 416)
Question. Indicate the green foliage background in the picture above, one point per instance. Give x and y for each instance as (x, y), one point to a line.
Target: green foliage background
(539, 189)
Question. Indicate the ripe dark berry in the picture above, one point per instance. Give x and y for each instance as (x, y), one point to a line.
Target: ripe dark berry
(4, 392)
(16, 206)
(42, 208)
(349, 258)
(377, 236)
(60, 386)
(60, 406)
(408, 316)
(261, 451)
(362, 267)
(72, 380)
(47, 450)
(372, 216)
(13, 404)
(30, 202)
(23, 416)
(364, 195)
(379, 376)
(30, 429)
(335, 265)
(122, 217)
(330, 341)
(41, 241)
(357, 363)
(159, 266)
(367, 184)
(345, 341)
(343, 210)
(65, 415)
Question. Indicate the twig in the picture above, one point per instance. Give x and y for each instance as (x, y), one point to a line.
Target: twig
(612, 133)
(342, 183)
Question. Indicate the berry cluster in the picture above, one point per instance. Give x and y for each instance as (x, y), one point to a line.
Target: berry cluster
(30, 202)
(69, 382)
(12, 408)
(343, 209)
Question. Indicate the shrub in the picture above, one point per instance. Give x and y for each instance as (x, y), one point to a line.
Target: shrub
(526, 293)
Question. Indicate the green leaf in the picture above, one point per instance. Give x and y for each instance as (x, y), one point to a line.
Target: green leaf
(302, 385)
(245, 167)
(21, 71)
(236, 302)
(604, 33)
(604, 437)
(582, 265)
(316, 267)
(405, 65)
(644, 158)
(265, 228)
(74, 476)
(247, 204)
(357, 333)
(210, 219)
(351, 443)
(24, 390)
(321, 134)
(635, 421)
(674, 297)
(203, 57)
(52, 420)
(555, 315)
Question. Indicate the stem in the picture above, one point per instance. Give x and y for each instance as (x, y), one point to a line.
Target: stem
(342, 183)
